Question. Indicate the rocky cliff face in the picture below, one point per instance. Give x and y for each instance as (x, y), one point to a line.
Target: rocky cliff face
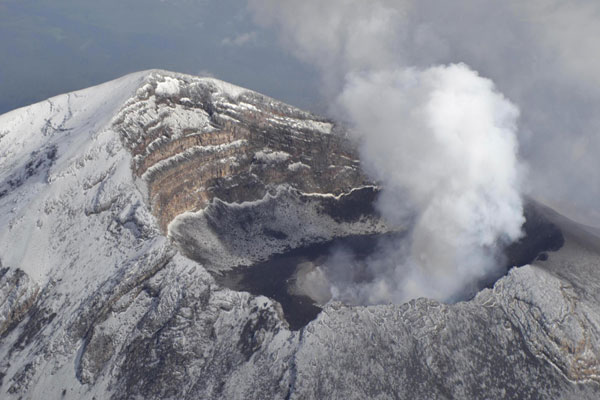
(194, 140)
(120, 205)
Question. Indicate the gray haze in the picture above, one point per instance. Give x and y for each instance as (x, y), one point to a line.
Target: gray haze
(49, 47)
(432, 90)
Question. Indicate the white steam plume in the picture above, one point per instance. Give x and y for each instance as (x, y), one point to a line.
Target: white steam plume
(440, 139)
(543, 54)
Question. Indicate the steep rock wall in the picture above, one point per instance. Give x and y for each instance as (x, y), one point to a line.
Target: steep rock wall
(203, 139)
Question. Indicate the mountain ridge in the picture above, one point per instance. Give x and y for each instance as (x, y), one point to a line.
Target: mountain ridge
(96, 300)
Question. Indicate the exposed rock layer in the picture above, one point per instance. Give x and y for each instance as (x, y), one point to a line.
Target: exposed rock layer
(204, 139)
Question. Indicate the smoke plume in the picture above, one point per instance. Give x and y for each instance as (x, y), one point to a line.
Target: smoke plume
(420, 84)
(442, 142)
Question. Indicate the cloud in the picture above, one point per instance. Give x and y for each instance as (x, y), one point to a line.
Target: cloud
(443, 143)
(542, 54)
(240, 40)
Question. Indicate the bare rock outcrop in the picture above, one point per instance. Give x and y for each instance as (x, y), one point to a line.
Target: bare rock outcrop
(18, 293)
(195, 139)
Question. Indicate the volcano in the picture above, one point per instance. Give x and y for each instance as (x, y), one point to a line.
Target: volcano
(155, 233)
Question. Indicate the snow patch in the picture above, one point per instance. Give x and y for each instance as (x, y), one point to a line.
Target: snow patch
(267, 156)
(169, 87)
(303, 124)
(298, 166)
(231, 91)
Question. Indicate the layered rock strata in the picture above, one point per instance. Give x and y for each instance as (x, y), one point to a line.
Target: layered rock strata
(196, 139)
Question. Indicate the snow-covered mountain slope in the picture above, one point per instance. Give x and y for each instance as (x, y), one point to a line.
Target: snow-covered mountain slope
(116, 202)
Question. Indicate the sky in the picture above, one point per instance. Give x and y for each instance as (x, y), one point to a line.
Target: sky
(50, 47)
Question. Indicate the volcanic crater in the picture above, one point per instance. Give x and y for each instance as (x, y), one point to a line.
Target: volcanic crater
(262, 193)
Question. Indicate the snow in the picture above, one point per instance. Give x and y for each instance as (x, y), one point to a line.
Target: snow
(224, 88)
(322, 127)
(181, 118)
(297, 166)
(268, 156)
(77, 125)
(75, 222)
(169, 87)
(338, 196)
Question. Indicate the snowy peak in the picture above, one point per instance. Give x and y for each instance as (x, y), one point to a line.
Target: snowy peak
(187, 140)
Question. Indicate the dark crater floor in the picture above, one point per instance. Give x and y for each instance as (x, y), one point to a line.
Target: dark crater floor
(274, 277)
